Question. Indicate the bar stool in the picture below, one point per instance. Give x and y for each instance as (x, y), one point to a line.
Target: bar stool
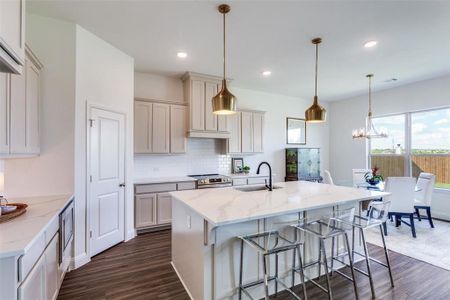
(376, 217)
(324, 230)
(269, 243)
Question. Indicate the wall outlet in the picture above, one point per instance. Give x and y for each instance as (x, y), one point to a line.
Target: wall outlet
(188, 222)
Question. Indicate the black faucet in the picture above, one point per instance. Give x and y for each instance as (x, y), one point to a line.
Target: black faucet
(270, 174)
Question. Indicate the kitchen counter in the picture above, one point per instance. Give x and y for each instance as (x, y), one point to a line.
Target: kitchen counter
(206, 225)
(17, 235)
(233, 206)
(152, 180)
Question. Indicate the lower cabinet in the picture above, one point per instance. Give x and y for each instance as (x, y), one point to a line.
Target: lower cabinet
(43, 280)
(153, 203)
(153, 209)
(145, 210)
(164, 206)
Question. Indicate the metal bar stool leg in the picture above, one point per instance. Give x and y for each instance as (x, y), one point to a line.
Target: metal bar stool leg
(319, 267)
(302, 275)
(322, 248)
(293, 267)
(388, 262)
(352, 269)
(332, 254)
(353, 243)
(276, 274)
(266, 276)
(241, 269)
(366, 253)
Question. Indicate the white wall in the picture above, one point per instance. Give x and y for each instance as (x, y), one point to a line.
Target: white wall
(209, 157)
(53, 42)
(345, 115)
(158, 87)
(104, 76)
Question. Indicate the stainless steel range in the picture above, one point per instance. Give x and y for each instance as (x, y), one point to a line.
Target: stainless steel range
(212, 181)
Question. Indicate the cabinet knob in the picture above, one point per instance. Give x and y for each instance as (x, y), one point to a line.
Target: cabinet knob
(122, 184)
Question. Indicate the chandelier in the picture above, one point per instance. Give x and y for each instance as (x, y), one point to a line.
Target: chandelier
(369, 131)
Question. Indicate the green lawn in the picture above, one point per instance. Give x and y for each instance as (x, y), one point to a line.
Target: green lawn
(442, 185)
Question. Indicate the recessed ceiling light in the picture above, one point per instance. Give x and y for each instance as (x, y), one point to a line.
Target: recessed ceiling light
(370, 44)
(182, 54)
(266, 73)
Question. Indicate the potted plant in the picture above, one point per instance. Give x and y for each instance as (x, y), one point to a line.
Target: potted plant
(246, 169)
(373, 178)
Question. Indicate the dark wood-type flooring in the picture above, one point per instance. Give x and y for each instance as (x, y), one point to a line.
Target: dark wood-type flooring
(140, 269)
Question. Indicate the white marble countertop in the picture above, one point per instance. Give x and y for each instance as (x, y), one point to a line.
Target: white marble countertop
(18, 234)
(152, 180)
(228, 205)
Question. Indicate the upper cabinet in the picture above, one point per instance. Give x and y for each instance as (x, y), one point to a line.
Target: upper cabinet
(19, 110)
(159, 128)
(203, 123)
(12, 39)
(246, 132)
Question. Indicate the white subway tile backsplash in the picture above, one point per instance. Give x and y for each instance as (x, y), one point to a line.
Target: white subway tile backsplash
(203, 156)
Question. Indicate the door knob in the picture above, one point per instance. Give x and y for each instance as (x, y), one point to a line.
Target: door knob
(122, 184)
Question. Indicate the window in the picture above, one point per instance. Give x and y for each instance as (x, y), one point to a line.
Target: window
(388, 154)
(417, 142)
(430, 145)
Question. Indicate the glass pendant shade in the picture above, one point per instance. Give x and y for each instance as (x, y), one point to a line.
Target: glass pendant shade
(316, 113)
(224, 103)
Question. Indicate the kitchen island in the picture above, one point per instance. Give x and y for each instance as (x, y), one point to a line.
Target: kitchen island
(205, 224)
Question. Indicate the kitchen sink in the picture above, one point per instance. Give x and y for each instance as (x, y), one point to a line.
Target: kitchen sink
(255, 188)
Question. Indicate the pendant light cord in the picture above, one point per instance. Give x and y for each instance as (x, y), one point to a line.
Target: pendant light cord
(370, 96)
(224, 53)
(317, 70)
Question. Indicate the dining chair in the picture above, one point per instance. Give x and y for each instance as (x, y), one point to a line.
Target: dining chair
(327, 177)
(402, 191)
(358, 176)
(424, 192)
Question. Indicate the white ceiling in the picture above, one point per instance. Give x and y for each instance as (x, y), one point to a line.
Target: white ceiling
(414, 40)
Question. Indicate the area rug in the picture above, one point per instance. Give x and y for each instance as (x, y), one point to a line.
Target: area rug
(432, 245)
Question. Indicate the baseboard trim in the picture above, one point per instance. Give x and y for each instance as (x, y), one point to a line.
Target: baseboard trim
(182, 282)
(80, 260)
(440, 216)
(131, 234)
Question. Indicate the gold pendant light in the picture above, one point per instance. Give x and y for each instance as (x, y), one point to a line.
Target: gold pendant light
(316, 113)
(369, 131)
(224, 103)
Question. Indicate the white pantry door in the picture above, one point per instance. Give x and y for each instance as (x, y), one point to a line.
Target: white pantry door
(107, 168)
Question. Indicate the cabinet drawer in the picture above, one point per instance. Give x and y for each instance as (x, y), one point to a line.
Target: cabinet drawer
(240, 181)
(257, 180)
(186, 185)
(27, 261)
(155, 188)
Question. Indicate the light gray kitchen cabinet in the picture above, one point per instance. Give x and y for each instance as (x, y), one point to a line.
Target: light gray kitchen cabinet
(145, 210)
(234, 142)
(199, 90)
(43, 280)
(159, 128)
(153, 203)
(4, 112)
(164, 207)
(246, 132)
(258, 132)
(12, 36)
(142, 127)
(19, 110)
(178, 128)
